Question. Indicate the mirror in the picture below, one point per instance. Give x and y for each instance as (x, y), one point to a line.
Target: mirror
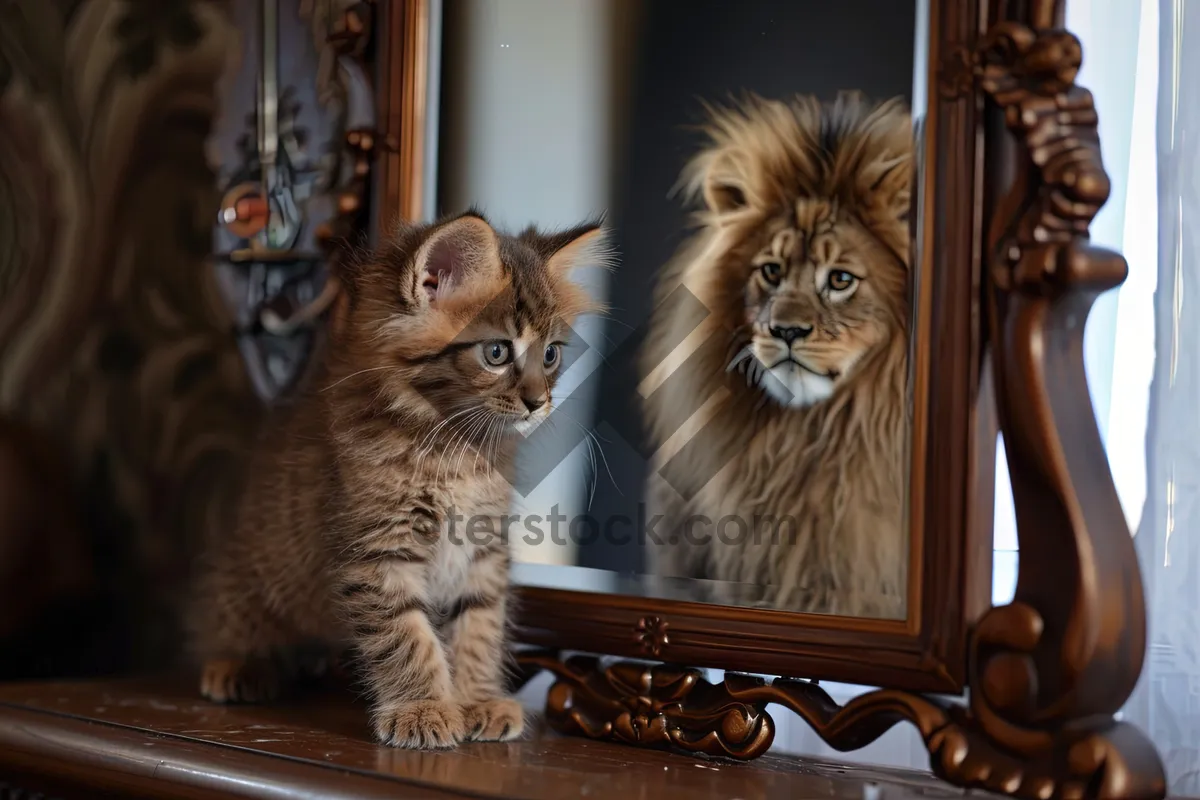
(735, 429)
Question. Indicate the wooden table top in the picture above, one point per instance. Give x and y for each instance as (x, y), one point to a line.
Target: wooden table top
(158, 738)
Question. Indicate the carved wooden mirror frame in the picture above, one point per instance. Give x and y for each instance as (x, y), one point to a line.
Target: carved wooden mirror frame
(1011, 177)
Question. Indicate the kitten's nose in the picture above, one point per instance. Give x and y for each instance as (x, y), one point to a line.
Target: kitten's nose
(791, 334)
(534, 403)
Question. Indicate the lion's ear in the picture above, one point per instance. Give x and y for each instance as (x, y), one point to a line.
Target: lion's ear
(887, 184)
(884, 180)
(724, 188)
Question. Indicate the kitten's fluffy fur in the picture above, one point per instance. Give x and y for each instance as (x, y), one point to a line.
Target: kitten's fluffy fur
(343, 536)
(801, 262)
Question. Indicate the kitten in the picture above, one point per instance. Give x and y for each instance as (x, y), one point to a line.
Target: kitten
(372, 509)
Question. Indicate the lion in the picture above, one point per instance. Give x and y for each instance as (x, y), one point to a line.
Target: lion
(775, 386)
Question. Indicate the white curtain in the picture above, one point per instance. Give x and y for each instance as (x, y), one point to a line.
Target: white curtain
(1167, 702)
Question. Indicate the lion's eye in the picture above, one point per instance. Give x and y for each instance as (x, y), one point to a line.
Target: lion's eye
(497, 354)
(772, 272)
(839, 280)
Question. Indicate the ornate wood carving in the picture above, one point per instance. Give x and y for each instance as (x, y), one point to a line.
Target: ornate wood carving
(1047, 672)
(654, 706)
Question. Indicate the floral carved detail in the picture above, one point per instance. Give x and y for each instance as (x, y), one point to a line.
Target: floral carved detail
(651, 634)
(652, 706)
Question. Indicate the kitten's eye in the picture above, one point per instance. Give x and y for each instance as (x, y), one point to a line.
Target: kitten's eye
(497, 354)
(552, 356)
(839, 280)
(772, 272)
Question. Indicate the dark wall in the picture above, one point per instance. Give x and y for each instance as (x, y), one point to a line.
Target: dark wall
(711, 49)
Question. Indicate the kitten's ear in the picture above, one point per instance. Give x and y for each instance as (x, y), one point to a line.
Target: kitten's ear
(461, 251)
(582, 246)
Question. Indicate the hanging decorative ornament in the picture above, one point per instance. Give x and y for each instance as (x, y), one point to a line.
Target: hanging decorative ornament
(286, 212)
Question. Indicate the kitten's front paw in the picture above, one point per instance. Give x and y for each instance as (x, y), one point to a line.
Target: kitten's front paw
(235, 680)
(420, 725)
(498, 720)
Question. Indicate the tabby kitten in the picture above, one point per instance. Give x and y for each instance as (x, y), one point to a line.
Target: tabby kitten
(371, 518)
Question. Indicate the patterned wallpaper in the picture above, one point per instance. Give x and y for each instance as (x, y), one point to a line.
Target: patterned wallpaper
(125, 406)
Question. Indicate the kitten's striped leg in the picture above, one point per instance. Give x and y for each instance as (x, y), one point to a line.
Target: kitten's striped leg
(477, 636)
(405, 667)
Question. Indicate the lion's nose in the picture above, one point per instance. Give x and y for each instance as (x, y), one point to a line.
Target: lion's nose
(792, 333)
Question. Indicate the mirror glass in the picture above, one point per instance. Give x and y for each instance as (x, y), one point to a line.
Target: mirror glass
(733, 429)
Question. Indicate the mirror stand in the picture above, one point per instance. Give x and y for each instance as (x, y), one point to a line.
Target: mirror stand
(1048, 672)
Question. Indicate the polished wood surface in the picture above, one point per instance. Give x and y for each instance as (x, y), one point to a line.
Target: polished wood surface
(158, 738)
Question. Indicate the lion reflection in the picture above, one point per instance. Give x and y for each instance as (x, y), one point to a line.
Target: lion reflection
(801, 259)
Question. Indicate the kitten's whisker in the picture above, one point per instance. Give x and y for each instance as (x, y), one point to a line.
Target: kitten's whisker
(594, 466)
(356, 374)
(496, 440)
(460, 435)
(451, 440)
(474, 435)
(589, 437)
(429, 437)
(479, 452)
(481, 446)
(479, 421)
(604, 459)
(446, 456)
(610, 318)
(442, 423)
(595, 470)
(492, 441)
(494, 431)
